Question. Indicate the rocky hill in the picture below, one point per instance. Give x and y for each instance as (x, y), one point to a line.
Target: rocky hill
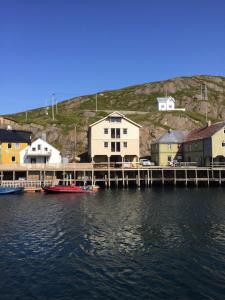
(136, 102)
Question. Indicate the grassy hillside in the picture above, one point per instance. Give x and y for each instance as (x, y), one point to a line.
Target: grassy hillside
(138, 103)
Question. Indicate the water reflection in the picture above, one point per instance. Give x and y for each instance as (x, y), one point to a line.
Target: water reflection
(130, 244)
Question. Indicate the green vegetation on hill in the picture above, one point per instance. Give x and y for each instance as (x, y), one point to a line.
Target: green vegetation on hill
(142, 100)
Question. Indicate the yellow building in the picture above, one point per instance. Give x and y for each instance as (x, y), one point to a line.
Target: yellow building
(168, 148)
(11, 143)
(205, 145)
(114, 138)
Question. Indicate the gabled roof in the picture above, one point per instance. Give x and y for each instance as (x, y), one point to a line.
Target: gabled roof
(40, 140)
(165, 99)
(15, 136)
(172, 137)
(204, 132)
(116, 114)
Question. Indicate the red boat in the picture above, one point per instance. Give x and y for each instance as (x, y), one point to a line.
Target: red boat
(69, 189)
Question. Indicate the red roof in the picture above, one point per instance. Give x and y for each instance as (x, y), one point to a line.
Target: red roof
(204, 132)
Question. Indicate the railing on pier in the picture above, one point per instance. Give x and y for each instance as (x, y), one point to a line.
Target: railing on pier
(25, 183)
(217, 165)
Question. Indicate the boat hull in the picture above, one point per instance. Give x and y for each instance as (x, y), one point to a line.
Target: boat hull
(64, 189)
(6, 191)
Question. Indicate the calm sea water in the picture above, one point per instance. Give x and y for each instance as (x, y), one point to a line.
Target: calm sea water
(157, 243)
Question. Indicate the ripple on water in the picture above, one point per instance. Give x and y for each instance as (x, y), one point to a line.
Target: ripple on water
(129, 244)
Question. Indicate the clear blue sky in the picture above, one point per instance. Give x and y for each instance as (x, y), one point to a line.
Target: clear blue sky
(77, 47)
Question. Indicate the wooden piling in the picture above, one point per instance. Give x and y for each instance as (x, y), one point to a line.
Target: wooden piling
(196, 178)
(186, 177)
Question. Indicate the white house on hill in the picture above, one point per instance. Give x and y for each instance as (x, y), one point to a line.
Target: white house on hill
(166, 103)
(40, 152)
(114, 138)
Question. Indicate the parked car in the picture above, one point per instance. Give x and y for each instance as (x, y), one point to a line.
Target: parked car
(146, 162)
(173, 163)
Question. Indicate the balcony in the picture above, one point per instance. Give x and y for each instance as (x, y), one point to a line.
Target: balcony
(35, 153)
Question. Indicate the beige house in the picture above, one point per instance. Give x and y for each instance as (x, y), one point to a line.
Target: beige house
(205, 145)
(114, 138)
(168, 148)
(6, 122)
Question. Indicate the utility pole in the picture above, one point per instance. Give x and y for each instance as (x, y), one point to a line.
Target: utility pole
(46, 107)
(56, 103)
(96, 102)
(75, 140)
(204, 96)
(26, 115)
(53, 113)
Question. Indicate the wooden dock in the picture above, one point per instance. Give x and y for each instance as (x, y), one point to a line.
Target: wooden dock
(35, 175)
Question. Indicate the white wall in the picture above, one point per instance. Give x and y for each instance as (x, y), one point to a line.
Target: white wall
(168, 104)
(54, 158)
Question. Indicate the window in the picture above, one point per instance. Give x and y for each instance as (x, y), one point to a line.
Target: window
(9, 146)
(113, 147)
(224, 130)
(118, 147)
(125, 131)
(17, 146)
(118, 133)
(46, 149)
(115, 119)
(13, 158)
(106, 131)
(33, 160)
(125, 144)
(113, 133)
(105, 144)
(39, 147)
(33, 149)
(169, 158)
(223, 144)
(169, 146)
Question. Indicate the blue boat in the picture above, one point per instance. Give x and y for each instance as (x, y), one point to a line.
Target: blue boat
(6, 190)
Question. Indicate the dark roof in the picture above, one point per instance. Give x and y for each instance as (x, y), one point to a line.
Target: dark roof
(15, 136)
(204, 132)
(172, 137)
